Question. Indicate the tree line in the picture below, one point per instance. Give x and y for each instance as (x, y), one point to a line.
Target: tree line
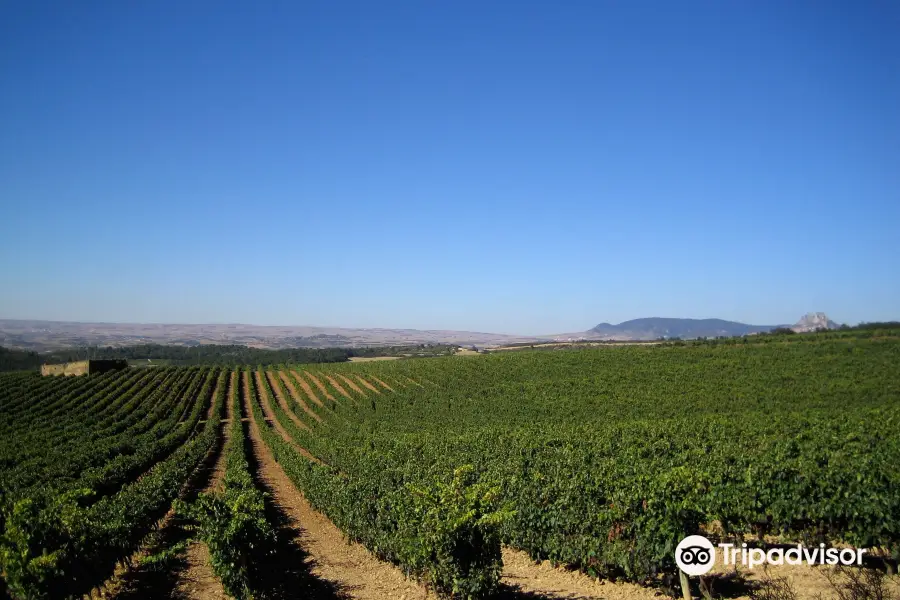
(208, 354)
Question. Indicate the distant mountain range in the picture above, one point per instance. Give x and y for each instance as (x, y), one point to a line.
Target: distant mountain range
(53, 335)
(655, 328)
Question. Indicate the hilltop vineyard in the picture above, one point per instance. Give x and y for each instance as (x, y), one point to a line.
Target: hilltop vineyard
(600, 459)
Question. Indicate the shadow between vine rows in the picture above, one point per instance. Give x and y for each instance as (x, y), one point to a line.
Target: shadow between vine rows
(288, 574)
(158, 579)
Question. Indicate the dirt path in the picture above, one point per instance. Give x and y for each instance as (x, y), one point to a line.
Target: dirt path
(338, 387)
(521, 577)
(264, 396)
(543, 580)
(189, 574)
(289, 382)
(218, 477)
(212, 402)
(383, 384)
(352, 385)
(270, 417)
(414, 382)
(368, 385)
(397, 381)
(316, 381)
(277, 389)
(349, 566)
(196, 579)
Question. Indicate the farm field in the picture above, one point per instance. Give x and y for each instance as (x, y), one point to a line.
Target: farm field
(446, 474)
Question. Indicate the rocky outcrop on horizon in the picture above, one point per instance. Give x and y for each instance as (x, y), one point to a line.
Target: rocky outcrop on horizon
(814, 322)
(655, 328)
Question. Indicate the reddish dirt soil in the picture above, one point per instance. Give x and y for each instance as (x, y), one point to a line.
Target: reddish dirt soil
(318, 383)
(270, 417)
(297, 397)
(368, 385)
(338, 387)
(307, 389)
(352, 385)
(264, 394)
(380, 382)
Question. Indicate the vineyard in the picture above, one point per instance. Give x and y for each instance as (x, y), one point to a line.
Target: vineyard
(598, 459)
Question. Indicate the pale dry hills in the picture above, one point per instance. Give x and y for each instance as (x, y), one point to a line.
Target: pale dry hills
(44, 336)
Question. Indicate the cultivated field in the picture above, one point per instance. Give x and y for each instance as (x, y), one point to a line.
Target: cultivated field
(449, 476)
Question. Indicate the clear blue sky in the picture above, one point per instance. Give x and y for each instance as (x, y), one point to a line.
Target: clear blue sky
(526, 167)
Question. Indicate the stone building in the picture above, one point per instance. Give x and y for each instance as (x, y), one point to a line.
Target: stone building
(85, 367)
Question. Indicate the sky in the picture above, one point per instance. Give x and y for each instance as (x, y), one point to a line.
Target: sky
(524, 167)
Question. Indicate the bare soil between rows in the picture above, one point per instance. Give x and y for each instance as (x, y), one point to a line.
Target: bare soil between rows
(307, 389)
(316, 381)
(186, 574)
(196, 580)
(314, 560)
(295, 395)
(352, 385)
(270, 418)
(338, 387)
(263, 393)
(346, 570)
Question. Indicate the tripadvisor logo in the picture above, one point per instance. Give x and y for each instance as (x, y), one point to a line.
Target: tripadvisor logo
(696, 555)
